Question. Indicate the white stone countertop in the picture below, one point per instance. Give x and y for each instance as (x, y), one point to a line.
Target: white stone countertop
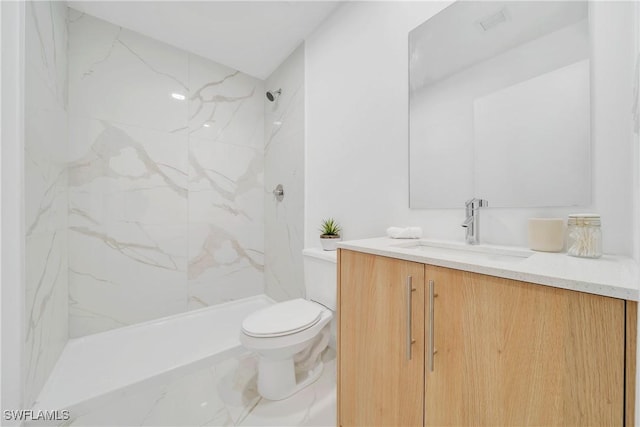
(611, 276)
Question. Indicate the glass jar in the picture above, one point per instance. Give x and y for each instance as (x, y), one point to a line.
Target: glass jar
(584, 236)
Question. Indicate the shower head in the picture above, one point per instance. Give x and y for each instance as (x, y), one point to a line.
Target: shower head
(273, 95)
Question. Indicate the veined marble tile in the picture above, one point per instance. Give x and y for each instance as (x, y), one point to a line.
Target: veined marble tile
(132, 273)
(284, 121)
(231, 170)
(226, 232)
(45, 117)
(45, 174)
(46, 138)
(225, 105)
(155, 152)
(123, 173)
(235, 213)
(122, 76)
(284, 164)
(190, 400)
(222, 267)
(45, 55)
(223, 285)
(45, 180)
(281, 282)
(151, 206)
(239, 221)
(221, 395)
(165, 213)
(237, 385)
(45, 306)
(314, 405)
(226, 228)
(284, 237)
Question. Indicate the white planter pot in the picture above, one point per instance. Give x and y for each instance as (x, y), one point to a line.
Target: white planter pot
(330, 243)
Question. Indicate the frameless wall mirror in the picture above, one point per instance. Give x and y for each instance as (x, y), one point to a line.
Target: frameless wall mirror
(499, 105)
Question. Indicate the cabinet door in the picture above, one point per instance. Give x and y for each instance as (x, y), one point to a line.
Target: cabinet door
(381, 374)
(512, 353)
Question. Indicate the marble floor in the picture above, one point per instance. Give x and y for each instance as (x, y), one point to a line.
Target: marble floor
(222, 395)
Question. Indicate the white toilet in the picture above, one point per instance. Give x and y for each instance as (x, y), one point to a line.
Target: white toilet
(289, 336)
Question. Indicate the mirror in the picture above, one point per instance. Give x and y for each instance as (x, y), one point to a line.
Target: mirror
(499, 105)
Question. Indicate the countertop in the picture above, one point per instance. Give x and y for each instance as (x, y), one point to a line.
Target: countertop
(610, 276)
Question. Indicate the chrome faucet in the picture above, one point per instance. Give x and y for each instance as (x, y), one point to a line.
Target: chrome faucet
(472, 221)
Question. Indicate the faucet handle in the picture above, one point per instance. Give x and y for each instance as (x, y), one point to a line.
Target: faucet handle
(476, 203)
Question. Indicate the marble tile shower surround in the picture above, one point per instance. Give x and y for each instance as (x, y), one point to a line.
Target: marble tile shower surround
(284, 164)
(165, 194)
(45, 189)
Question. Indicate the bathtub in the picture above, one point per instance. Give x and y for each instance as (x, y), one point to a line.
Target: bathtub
(94, 369)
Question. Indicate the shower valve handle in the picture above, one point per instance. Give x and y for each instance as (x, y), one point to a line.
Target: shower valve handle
(278, 192)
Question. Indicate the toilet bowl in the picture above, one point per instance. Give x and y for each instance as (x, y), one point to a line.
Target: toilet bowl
(290, 336)
(277, 334)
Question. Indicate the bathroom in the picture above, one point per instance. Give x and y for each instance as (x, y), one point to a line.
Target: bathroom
(148, 200)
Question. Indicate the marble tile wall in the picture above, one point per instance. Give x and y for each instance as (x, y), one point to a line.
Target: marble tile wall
(165, 179)
(284, 164)
(45, 189)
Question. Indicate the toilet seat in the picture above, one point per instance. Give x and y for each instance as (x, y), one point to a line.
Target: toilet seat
(283, 318)
(300, 322)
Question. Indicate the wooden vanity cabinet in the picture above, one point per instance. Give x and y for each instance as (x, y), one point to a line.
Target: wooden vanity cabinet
(503, 352)
(381, 372)
(516, 354)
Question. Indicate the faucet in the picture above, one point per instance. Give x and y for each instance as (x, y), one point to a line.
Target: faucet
(472, 221)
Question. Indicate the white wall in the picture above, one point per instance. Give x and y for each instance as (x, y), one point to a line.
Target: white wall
(284, 164)
(356, 108)
(612, 29)
(12, 225)
(357, 149)
(636, 143)
(636, 183)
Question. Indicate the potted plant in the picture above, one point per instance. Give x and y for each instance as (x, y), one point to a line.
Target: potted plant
(329, 234)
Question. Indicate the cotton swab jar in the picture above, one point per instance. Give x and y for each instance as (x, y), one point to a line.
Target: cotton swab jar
(584, 236)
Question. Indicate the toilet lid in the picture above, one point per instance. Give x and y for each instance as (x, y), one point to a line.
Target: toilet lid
(283, 318)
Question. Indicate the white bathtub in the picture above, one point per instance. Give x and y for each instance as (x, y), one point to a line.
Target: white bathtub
(94, 369)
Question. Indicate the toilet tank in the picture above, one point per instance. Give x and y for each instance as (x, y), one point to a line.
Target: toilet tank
(320, 276)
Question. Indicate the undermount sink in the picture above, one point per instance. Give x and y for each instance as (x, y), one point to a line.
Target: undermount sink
(485, 252)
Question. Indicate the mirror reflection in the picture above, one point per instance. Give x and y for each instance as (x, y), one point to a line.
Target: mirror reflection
(499, 105)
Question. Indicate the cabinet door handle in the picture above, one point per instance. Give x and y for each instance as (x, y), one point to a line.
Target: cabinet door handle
(409, 290)
(431, 331)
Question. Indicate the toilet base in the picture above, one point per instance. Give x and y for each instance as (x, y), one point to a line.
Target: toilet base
(277, 378)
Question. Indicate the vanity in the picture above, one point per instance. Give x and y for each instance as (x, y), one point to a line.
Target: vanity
(503, 97)
(439, 333)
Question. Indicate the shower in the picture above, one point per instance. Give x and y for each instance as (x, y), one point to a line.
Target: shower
(273, 95)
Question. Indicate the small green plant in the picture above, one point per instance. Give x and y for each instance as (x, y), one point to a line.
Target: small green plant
(330, 227)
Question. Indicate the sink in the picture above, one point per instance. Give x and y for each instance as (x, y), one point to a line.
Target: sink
(467, 252)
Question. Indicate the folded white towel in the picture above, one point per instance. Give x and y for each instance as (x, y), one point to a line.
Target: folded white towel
(404, 232)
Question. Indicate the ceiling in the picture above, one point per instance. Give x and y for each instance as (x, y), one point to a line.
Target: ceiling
(251, 36)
